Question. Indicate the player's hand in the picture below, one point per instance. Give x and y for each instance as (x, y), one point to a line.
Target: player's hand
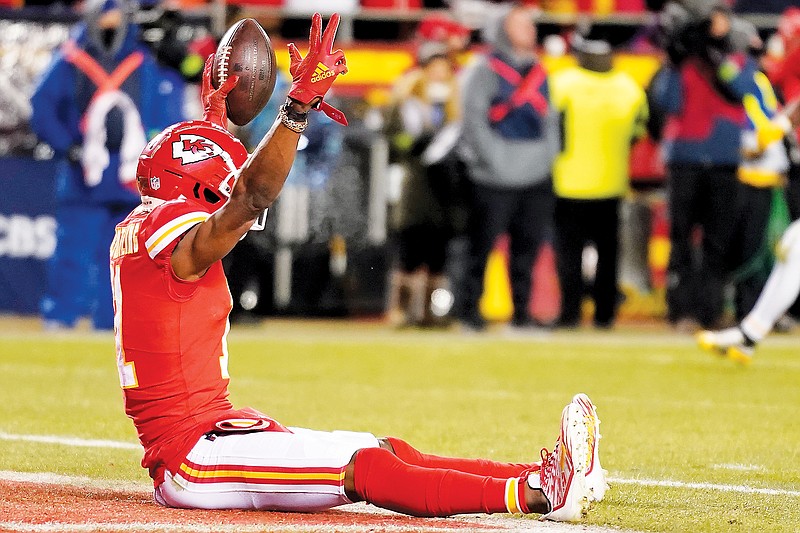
(214, 103)
(313, 75)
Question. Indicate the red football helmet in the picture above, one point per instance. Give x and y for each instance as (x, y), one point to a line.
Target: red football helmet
(195, 159)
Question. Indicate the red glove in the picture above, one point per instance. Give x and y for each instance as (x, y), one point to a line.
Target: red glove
(214, 103)
(314, 74)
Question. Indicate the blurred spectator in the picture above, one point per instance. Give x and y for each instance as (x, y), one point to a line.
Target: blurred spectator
(783, 64)
(316, 159)
(763, 215)
(424, 102)
(444, 30)
(590, 175)
(94, 105)
(701, 142)
(510, 138)
(762, 6)
(783, 69)
(599, 7)
(780, 291)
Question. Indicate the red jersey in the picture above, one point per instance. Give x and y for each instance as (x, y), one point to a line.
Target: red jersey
(170, 336)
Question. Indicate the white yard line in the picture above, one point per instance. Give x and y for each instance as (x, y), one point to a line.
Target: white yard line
(742, 489)
(71, 441)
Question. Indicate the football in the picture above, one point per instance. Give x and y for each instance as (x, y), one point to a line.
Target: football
(245, 51)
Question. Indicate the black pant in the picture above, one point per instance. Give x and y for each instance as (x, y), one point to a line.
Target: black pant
(423, 245)
(526, 215)
(704, 196)
(578, 223)
(752, 264)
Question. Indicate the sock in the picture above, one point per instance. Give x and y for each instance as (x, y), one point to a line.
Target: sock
(383, 479)
(482, 467)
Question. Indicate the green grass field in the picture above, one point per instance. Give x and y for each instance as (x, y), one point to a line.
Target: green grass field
(669, 411)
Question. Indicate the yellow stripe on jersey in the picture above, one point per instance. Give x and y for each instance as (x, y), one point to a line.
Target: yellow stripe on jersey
(248, 474)
(172, 230)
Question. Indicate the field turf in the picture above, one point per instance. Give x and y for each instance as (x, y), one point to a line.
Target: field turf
(693, 443)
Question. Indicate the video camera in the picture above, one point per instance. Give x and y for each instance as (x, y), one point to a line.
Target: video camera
(170, 34)
(703, 30)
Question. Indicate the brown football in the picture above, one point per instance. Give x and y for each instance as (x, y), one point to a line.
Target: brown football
(245, 51)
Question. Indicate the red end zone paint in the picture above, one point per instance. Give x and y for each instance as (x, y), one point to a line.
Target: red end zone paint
(68, 507)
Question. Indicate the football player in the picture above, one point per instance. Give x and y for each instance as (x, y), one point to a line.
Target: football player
(782, 287)
(201, 192)
(779, 293)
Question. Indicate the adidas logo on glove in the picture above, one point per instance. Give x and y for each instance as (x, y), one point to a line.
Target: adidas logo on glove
(322, 72)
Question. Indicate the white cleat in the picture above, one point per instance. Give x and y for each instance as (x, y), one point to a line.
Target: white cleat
(562, 476)
(595, 475)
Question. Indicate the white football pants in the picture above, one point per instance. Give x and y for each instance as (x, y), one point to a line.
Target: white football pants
(298, 471)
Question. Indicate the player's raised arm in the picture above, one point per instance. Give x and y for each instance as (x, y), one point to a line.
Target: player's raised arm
(263, 174)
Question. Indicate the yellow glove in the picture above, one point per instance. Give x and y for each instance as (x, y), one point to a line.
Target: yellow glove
(772, 131)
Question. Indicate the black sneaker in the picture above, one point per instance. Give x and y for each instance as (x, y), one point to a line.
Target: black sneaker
(473, 322)
(526, 322)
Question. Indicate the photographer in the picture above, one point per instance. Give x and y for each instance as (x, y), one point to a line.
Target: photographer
(699, 93)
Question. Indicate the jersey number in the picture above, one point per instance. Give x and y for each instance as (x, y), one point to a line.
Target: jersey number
(127, 370)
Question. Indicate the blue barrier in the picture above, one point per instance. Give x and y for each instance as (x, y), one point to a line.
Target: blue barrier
(27, 231)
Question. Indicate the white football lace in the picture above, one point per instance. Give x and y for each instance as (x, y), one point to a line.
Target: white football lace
(222, 70)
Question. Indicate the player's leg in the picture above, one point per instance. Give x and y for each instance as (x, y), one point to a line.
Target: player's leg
(483, 467)
(781, 288)
(557, 489)
(302, 470)
(779, 293)
(381, 478)
(595, 475)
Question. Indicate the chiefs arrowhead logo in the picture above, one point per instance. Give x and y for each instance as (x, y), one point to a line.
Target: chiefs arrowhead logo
(193, 148)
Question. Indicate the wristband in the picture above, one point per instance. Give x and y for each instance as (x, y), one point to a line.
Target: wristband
(293, 119)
